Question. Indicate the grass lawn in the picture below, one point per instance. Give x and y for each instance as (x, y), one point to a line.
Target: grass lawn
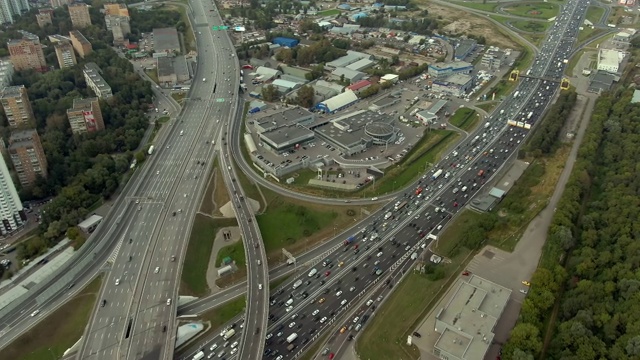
(488, 106)
(194, 279)
(329, 12)
(531, 26)
(223, 314)
(207, 206)
(163, 119)
(503, 88)
(178, 96)
(538, 10)
(464, 118)
(216, 194)
(588, 33)
(594, 14)
(153, 75)
(235, 251)
(477, 5)
(53, 336)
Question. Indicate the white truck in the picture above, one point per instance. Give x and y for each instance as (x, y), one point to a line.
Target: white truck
(436, 174)
(198, 356)
(291, 338)
(229, 334)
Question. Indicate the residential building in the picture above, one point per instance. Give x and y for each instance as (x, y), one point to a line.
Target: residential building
(85, 116)
(6, 73)
(27, 156)
(80, 43)
(79, 14)
(59, 3)
(12, 215)
(44, 17)
(118, 9)
(165, 40)
(10, 9)
(66, 56)
(93, 77)
(26, 53)
(119, 26)
(16, 106)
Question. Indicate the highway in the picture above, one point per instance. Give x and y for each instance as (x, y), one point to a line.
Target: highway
(430, 203)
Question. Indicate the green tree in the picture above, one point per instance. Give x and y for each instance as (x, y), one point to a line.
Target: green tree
(305, 96)
(270, 93)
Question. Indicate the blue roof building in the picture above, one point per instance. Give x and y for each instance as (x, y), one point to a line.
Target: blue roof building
(357, 16)
(344, 7)
(283, 41)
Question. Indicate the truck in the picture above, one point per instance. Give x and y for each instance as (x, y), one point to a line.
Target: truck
(349, 240)
(401, 205)
(150, 151)
(291, 338)
(419, 191)
(432, 237)
(515, 95)
(481, 172)
(291, 261)
(198, 356)
(297, 284)
(436, 174)
(229, 334)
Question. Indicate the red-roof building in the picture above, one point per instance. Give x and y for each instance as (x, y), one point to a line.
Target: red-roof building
(359, 86)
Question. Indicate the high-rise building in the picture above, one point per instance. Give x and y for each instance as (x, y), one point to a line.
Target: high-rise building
(44, 17)
(6, 73)
(66, 56)
(95, 81)
(27, 156)
(85, 116)
(79, 13)
(10, 9)
(17, 108)
(80, 43)
(12, 214)
(59, 3)
(26, 53)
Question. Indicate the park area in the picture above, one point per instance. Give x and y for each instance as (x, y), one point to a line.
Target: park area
(538, 10)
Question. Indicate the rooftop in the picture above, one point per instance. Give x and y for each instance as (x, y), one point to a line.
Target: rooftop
(11, 91)
(165, 66)
(78, 35)
(22, 138)
(284, 117)
(456, 79)
(83, 103)
(287, 136)
(348, 73)
(359, 85)
(166, 40)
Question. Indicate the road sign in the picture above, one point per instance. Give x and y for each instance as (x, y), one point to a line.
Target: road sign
(220, 100)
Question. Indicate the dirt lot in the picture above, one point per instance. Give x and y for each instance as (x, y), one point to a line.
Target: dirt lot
(459, 22)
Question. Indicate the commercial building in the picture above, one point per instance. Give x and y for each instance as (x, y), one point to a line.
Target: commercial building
(392, 78)
(26, 53)
(79, 14)
(492, 59)
(85, 116)
(359, 86)
(344, 74)
(282, 118)
(27, 156)
(95, 81)
(350, 58)
(464, 48)
(465, 322)
(119, 26)
(12, 214)
(17, 107)
(430, 116)
(338, 102)
(80, 43)
(172, 70)
(455, 85)
(11, 9)
(286, 138)
(385, 102)
(354, 132)
(165, 40)
(283, 41)
(6, 73)
(66, 56)
(441, 70)
(601, 81)
(44, 17)
(609, 60)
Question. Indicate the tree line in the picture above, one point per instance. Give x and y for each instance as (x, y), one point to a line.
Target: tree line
(592, 253)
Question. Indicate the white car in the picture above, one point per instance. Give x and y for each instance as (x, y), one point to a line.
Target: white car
(292, 324)
(369, 302)
(213, 347)
(269, 336)
(117, 282)
(339, 293)
(168, 301)
(315, 312)
(157, 270)
(158, 172)
(259, 286)
(289, 308)
(35, 313)
(323, 320)
(344, 302)
(352, 288)
(234, 345)
(233, 351)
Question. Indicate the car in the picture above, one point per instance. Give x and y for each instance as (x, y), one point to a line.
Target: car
(117, 282)
(234, 345)
(355, 319)
(168, 301)
(344, 302)
(369, 302)
(352, 288)
(289, 308)
(157, 270)
(466, 273)
(343, 329)
(233, 351)
(280, 357)
(327, 273)
(269, 336)
(331, 356)
(417, 334)
(341, 262)
(323, 320)
(292, 324)
(104, 302)
(321, 300)
(526, 283)
(35, 313)
(213, 347)
(259, 286)
(339, 293)
(315, 312)
(524, 291)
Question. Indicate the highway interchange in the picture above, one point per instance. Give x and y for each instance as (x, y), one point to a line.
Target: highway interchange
(132, 322)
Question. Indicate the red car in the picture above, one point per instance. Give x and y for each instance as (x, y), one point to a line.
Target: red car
(465, 273)
(327, 273)
(331, 356)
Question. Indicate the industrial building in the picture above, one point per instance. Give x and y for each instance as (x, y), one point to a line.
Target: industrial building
(265, 74)
(286, 138)
(165, 40)
(456, 85)
(93, 78)
(80, 43)
(385, 102)
(27, 156)
(361, 64)
(283, 41)
(285, 86)
(282, 118)
(442, 70)
(350, 58)
(355, 132)
(392, 78)
(430, 116)
(359, 86)
(464, 48)
(172, 70)
(338, 102)
(85, 116)
(12, 215)
(465, 321)
(344, 74)
(65, 55)
(17, 107)
(26, 53)
(609, 60)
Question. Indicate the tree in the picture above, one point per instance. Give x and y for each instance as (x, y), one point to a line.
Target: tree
(270, 93)
(305, 96)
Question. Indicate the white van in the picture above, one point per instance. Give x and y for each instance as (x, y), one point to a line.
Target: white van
(312, 272)
(289, 302)
(181, 132)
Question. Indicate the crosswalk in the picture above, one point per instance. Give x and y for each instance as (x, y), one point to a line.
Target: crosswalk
(114, 255)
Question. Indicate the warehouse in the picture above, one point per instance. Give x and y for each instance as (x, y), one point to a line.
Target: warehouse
(350, 58)
(456, 85)
(282, 118)
(352, 76)
(392, 78)
(338, 102)
(359, 86)
(283, 41)
(360, 65)
(384, 102)
(286, 138)
(285, 86)
(265, 74)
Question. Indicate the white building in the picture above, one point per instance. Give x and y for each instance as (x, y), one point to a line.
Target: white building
(393, 78)
(9, 9)
(95, 81)
(609, 60)
(11, 212)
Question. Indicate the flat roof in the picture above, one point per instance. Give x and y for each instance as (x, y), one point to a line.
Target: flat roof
(90, 221)
(287, 136)
(284, 117)
(458, 79)
(22, 138)
(164, 66)
(385, 101)
(438, 106)
(165, 39)
(608, 57)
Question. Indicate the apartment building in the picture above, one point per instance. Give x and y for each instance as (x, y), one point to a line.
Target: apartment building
(95, 81)
(11, 9)
(26, 53)
(12, 215)
(66, 56)
(27, 156)
(80, 43)
(79, 13)
(44, 17)
(16, 106)
(85, 116)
